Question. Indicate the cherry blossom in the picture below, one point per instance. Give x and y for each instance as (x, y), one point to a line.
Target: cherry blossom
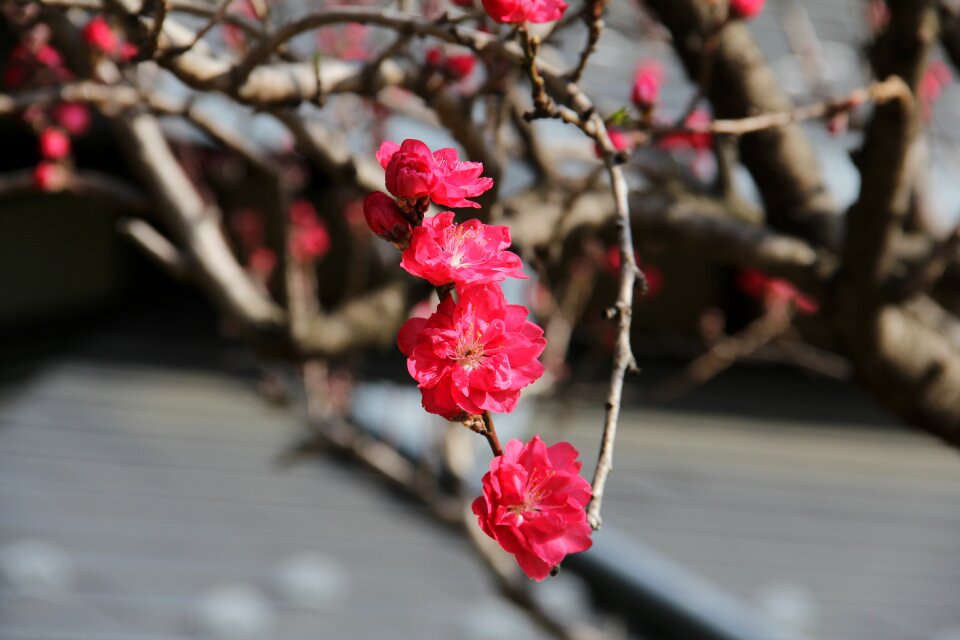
(533, 504)
(746, 9)
(473, 355)
(309, 238)
(100, 36)
(415, 174)
(442, 251)
(646, 84)
(72, 116)
(385, 219)
(54, 144)
(775, 291)
(519, 11)
(49, 176)
(410, 170)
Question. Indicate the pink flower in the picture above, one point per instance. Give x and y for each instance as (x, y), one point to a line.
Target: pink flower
(533, 504)
(441, 252)
(620, 140)
(517, 11)
(456, 67)
(646, 84)
(309, 238)
(410, 169)
(262, 262)
(458, 180)
(698, 140)
(473, 355)
(935, 78)
(72, 116)
(49, 176)
(775, 291)
(413, 173)
(48, 56)
(127, 51)
(746, 9)
(461, 65)
(385, 218)
(100, 36)
(54, 144)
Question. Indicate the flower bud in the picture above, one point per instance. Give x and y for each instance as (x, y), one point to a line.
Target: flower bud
(100, 36)
(385, 219)
(72, 116)
(745, 9)
(54, 144)
(49, 176)
(646, 84)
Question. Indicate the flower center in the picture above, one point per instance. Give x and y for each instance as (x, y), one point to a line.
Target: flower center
(457, 237)
(470, 348)
(470, 354)
(534, 494)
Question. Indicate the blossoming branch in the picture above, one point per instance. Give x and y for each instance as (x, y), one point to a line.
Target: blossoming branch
(476, 353)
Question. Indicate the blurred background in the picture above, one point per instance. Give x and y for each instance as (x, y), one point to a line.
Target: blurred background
(162, 476)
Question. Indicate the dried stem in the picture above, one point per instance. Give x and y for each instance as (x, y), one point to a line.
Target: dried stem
(879, 92)
(623, 359)
(593, 16)
(724, 353)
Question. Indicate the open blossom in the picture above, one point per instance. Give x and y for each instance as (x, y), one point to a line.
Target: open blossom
(473, 355)
(458, 180)
(746, 9)
(442, 251)
(533, 504)
(646, 84)
(518, 11)
(413, 173)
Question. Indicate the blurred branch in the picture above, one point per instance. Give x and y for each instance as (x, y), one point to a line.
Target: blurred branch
(904, 360)
(781, 160)
(83, 183)
(156, 247)
(725, 352)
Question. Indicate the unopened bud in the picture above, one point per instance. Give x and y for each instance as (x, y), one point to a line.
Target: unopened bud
(54, 144)
(385, 219)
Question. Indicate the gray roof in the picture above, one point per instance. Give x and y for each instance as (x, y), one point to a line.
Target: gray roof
(139, 503)
(845, 531)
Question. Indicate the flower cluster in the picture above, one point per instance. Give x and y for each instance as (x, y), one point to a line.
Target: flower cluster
(416, 176)
(476, 352)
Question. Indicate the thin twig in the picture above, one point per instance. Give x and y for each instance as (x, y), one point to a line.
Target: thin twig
(623, 359)
(593, 16)
(156, 247)
(892, 88)
(153, 39)
(724, 353)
